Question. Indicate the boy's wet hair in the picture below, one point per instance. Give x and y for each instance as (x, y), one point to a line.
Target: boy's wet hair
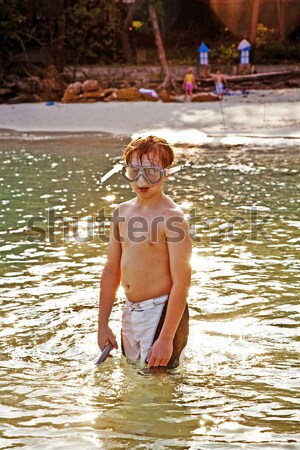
(153, 147)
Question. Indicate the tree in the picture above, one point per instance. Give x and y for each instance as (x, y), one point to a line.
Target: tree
(26, 27)
(124, 30)
(255, 7)
(16, 31)
(281, 18)
(168, 80)
(57, 35)
(89, 30)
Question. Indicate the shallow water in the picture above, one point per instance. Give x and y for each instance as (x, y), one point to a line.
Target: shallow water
(238, 387)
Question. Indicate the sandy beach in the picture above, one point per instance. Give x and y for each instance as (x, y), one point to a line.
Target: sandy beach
(237, 119)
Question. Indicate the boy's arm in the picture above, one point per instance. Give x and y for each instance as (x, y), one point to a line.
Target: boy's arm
(110, 282)
(179, 247)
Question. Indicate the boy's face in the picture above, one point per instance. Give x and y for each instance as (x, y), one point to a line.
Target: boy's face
(141, 186)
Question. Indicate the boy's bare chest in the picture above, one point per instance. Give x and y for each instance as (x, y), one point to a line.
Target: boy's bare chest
(141, 230)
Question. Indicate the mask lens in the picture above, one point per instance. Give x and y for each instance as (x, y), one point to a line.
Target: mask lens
(153, 175)
(130, 172)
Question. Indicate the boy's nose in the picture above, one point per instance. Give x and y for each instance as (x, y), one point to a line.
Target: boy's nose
(141, 180)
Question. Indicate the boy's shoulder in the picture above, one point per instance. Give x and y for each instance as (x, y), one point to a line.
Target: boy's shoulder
(172, 209)
(126, 204)
(122, 208)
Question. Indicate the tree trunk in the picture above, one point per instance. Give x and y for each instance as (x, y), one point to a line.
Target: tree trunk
(255, 7)
(168, 79)
(58, 33)
(126, 46)
(1, 65)
(281, 18)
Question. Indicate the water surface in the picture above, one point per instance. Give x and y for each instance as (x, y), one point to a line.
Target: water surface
(238, 386)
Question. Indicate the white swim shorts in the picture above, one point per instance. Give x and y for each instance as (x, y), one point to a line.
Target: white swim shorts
(219, 88)
(141, 325)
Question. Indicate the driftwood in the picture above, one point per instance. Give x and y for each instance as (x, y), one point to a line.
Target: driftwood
(283, 74)
(265, 76)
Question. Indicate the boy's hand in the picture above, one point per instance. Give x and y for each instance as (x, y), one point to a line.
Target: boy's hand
(106, 335)
(160, 352)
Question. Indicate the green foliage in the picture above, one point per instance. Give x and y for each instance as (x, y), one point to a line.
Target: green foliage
(89, 33)
(142, 14)
(137, 24)
(13, 24)
(225, 54)
(182, 55)
(17, 30)
(264, 35)
(277, 52)
(90, 28)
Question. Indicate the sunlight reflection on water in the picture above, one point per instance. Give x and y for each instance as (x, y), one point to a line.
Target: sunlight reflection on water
(238, 383)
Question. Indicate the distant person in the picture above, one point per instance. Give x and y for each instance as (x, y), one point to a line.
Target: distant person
(189, 83)
(219, 80)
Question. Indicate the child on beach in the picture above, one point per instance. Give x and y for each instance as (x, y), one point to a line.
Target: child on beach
(219, 80)
(189, 83)
(149, 254)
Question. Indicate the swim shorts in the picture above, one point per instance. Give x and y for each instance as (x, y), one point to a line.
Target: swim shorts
(219, 88)
(141, 326)
(188, 85)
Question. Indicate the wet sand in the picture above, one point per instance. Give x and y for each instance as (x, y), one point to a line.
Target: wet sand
(260, 114)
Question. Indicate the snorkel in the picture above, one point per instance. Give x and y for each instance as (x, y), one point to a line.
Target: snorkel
(117, 168)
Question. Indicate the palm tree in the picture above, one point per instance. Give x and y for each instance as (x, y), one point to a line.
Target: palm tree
(168, 79)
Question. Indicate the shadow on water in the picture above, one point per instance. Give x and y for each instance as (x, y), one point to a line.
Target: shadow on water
(237, 385)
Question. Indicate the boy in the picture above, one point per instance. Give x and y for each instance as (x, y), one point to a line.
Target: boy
(219, 80)
(149, 254)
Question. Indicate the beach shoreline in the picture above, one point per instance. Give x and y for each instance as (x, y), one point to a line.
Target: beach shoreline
(258, 115)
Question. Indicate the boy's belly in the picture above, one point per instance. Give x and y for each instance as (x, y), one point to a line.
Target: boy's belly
(142, 280)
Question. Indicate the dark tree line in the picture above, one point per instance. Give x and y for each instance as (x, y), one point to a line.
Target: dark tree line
(86, 31)
(35, 34)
